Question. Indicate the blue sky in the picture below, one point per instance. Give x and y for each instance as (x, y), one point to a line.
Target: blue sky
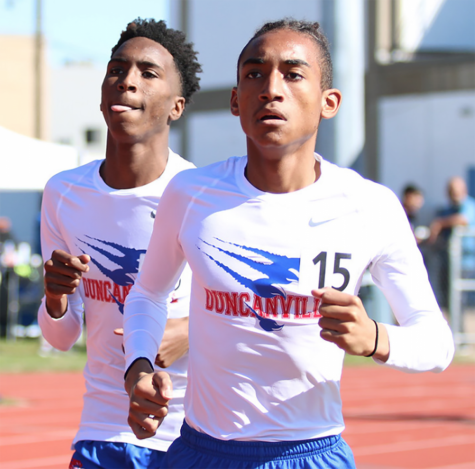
(81, 30)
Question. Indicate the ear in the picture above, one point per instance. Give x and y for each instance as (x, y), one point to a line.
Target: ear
(331, 100)
(178, 108)
(234, 102)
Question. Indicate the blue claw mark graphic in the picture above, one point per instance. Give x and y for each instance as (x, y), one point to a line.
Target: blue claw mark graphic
(277, 271)
(119, 304)
(267, 324)
(128, 262)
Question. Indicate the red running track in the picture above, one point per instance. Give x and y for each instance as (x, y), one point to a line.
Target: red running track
(394, 420)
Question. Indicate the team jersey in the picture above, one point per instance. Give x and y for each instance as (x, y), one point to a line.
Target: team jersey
(82, 215)
(259, 369)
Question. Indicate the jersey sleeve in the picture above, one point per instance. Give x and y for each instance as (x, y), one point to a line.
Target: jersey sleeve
(145, 312)
(179, 302)
(422, 340)
(61, 333)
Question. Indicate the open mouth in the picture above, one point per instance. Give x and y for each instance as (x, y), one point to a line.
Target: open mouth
(272, 116)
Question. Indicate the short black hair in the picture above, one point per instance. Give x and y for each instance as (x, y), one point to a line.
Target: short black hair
(411, 189)
(174, 41)
(313, 30)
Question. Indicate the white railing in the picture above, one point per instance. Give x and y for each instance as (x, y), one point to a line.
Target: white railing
(460, 282)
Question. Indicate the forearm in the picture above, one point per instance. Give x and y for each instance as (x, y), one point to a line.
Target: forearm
(453, 220)
(424, 346)
(145, 313)
(61, 333)
(174, 343)
(422, 341)
(144, 326)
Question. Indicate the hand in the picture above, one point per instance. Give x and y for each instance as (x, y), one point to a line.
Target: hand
(345, 323)
(63, 273)
(174, 343)
(149, 394)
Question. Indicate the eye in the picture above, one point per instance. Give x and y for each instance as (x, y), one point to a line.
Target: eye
(253, 75)
(294, 76)
(148, 74)
(115, 71)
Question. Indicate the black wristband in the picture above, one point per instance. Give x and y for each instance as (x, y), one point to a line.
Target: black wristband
(376, 340)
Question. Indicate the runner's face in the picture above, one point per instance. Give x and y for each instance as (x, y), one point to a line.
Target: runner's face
(141, 91)
(279, 97)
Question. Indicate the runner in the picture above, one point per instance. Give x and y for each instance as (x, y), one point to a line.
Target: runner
(278, 242)
(96, 225)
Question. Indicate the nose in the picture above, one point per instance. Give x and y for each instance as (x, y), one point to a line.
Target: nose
(272, 89)
(127, 82)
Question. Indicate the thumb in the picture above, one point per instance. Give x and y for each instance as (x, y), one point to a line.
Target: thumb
(80, 262)
(164, 384)
(84, 258)
(320, 292)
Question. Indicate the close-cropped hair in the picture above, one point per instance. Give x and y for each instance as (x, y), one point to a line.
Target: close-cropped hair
(411, 189)
(313, 30)
(184, 56)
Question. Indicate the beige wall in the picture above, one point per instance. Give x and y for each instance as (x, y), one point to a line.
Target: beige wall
(17, 109)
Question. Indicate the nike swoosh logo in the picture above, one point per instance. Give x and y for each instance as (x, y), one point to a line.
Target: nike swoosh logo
(312, 223)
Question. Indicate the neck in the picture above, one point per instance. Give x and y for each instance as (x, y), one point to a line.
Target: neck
(280, 171)
(134, 164)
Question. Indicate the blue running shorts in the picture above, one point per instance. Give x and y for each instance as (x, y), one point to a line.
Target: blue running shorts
(113, 455)
(200, 451)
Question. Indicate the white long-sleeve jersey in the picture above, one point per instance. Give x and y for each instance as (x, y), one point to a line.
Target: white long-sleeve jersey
(258, 367)
(81, 214)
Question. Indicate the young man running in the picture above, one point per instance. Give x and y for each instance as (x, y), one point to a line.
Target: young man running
(278, 242)
(96, 225)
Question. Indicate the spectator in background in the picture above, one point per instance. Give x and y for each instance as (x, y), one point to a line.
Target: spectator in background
(459, 212)
(412, 202)
(5, 227)
(7, 251)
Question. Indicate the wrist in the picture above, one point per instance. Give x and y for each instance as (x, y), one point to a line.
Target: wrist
(139, 368)
(376, 341)
(56, 307)
(382, 352)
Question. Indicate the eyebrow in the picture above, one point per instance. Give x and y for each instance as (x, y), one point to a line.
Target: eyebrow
(258, 61)
(143, 63)
(297, 62)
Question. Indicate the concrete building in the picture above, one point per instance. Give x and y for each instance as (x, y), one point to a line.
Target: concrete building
(75, 115)
(220, 30)
(420, 95)
(406, 69)
(24, 93)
